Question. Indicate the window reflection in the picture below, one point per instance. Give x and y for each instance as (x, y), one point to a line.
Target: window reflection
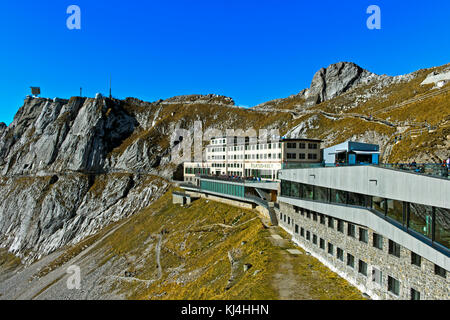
(338, 196)
(442, 234)
(395, 210)
(379, 204)
(421, 219)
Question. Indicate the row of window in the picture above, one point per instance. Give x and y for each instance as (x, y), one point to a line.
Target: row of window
(201, 171)
(301, 145)
(262, 146)
(377, 275)
(363, 236)
(302, 156)
(377, 242)
(430, 222)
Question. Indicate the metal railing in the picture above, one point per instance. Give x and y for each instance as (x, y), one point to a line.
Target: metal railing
(235, 179)
(429, 169)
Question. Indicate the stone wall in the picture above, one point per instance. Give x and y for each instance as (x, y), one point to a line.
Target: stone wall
(422, 279)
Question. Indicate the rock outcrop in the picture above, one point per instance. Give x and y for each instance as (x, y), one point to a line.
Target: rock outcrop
(68, 168)
(337, 79)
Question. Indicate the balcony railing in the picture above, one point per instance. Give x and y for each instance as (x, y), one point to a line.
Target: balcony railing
(429, 169)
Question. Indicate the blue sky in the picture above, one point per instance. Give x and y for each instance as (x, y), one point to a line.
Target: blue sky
(252, 51)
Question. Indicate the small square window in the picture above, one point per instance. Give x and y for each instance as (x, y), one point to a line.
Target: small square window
(393, 285)
(330, 248)
(377, 276)
(415, 295)
(350, 260)
(378, 241)
(340, 254)
(340, 225)
(330, 222)
(362, 268)
(416, 259)
(351, 230)
(440, 271)
(394, 249)
(322, 244)
(363, 235)
(322, 219)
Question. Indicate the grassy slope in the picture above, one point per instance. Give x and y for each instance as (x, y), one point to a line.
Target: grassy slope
(194, 256)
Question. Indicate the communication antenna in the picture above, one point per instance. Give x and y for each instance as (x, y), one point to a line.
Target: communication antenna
(81, 91)
(35, 91)
(110, 80)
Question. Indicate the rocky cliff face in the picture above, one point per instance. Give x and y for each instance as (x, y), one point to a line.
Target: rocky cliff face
(57, 185)
(68, 168)
(337, 79)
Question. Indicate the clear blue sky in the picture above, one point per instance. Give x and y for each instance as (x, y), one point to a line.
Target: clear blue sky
(252, 51)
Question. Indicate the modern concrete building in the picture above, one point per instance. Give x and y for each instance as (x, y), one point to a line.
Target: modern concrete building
(385, 231)
(351, 153)
(242, 157)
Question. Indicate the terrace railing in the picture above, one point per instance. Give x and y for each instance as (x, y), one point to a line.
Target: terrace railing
(430, 169)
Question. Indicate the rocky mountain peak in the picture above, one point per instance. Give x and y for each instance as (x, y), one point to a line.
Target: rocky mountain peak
(335, 80)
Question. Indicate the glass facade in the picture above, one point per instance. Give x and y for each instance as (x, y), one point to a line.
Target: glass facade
(338, 196)
(421, 219)
(321, 194)
(379, 205)
(224, 188)
(395, 210)
(442, 222)
(431, 222)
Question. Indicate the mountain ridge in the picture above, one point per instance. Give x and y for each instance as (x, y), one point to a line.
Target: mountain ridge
(85, 146)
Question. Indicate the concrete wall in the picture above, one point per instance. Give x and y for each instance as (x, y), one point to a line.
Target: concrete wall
(230, 202)
(370, 220)
(421, 278)
(378, 182)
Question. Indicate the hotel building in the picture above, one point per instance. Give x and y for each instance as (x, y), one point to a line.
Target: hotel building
(242, 157)
(385, 229)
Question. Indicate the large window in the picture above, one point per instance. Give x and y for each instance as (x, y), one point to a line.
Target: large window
(338, 196)
(308, 192)
(421, 219)
(442, 226)
(294, 192)
(395, 210)
(321, 194)
(379, 204)
(285, 188)
(356, 199)
(428, 221)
